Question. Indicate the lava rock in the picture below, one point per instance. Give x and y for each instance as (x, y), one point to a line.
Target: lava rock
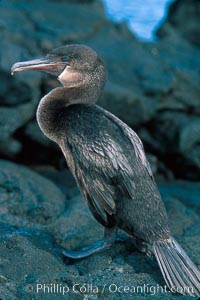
(27, 258)
(27, 195)
(31, 247)
(145, 80)
(189, 143)
(183, 17)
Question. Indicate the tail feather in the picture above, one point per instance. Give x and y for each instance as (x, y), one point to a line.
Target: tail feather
(179, 272)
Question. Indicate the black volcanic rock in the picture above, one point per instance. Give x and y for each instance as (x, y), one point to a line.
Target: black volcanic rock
(146, 81)
(26, 195)
(183, 17)
(37, 222)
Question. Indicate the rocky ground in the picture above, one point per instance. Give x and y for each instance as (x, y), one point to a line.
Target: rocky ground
(154, 87)
(40, 219)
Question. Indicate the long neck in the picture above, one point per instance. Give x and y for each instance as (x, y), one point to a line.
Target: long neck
(52, 107)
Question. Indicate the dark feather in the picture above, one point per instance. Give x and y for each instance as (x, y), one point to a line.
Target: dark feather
(104, 167)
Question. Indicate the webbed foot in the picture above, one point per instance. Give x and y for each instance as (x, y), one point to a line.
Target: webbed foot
(99, 246)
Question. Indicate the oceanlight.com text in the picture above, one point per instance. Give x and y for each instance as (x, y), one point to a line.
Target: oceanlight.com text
(92, 289)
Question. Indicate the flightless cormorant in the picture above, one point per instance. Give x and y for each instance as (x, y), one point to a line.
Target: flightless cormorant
(107, 159)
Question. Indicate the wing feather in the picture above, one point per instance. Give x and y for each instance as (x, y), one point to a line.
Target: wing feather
(134, 139)
(103, 170)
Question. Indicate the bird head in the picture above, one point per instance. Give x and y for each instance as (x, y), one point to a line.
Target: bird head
(74, 65)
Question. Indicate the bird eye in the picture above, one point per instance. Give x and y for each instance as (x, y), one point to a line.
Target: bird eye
(65, 58)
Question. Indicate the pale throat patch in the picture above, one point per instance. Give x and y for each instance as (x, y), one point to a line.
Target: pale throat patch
(68, 77)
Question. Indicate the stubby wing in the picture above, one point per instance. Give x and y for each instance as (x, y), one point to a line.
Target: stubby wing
(134, 139)
(103, 173)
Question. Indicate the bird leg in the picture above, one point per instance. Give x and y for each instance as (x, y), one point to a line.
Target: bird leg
(101, 245)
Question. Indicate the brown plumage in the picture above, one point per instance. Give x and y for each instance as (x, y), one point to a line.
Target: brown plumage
(108, 162)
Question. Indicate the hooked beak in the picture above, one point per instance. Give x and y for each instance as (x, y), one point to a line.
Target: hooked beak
(45, 64)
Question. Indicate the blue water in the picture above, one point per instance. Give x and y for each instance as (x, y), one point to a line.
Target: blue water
(142, 16)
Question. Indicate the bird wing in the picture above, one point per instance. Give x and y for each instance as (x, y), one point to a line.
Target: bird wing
(134, 139)
(103, 169)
